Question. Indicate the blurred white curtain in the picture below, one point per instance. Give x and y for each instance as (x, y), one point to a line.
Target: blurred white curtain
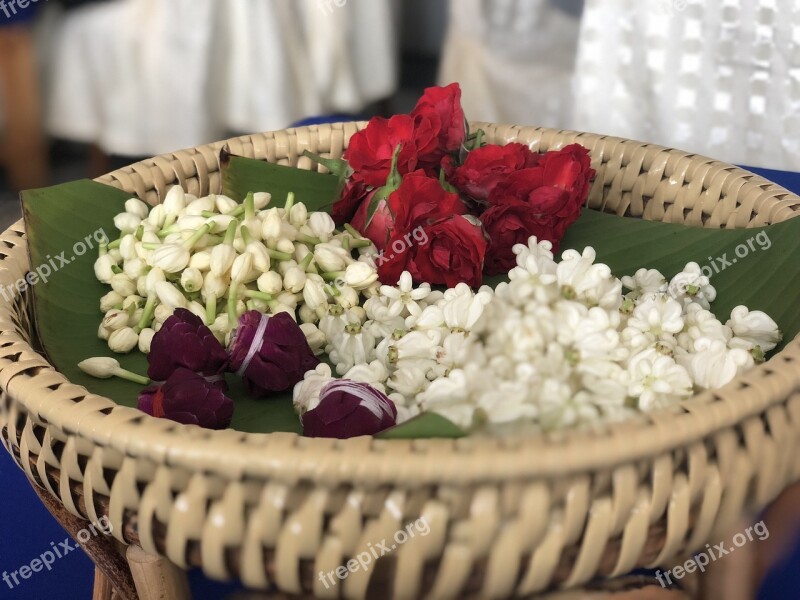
(715, 77)
(514, 59)
(146, 76)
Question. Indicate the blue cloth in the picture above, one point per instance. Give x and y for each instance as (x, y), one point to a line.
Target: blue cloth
(14, 13)
(28, 529)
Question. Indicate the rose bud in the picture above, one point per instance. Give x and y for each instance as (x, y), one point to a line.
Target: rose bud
(185, 342)
(348, 409)
(271, 353)
(188, 398)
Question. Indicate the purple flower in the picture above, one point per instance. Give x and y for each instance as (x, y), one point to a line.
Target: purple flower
(349, 409)
(188, 398)
(185, 342)
(270, 353)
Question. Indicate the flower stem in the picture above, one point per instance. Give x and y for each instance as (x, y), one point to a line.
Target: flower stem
(250, 207)
(346, 243)
(147, 315)
(131, 376)
(211, 309)
(230, 233)
(333, 291)
(353, 231)
(190, 243)
(236, 212)
(333, 275)
(356, 244)
(279, 256)
(115, 244)
(306, 262)
(207, 214)
(151, 246)
(233, 298)
(289, 202)
(259, 296)
(246, 235)
(308, 239)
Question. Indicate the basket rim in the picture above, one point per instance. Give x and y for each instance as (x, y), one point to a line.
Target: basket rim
(367, 460)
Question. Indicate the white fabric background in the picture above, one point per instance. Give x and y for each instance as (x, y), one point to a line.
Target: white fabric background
(716, 77)
(142, 77)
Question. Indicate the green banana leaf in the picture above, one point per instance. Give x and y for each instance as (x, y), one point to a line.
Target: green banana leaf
(764, 275)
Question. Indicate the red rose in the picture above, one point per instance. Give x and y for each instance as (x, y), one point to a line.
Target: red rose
(558, 186)
(510, 224)
(486, 167)
(421, 200)
(354, 194)
(381, 226)
(445, 104)
(371, 150)
(447, 252)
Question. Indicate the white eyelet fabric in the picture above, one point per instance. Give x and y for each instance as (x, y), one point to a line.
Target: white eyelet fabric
(715, 77)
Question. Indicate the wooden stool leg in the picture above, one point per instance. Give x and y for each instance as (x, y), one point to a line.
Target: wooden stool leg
(156, 578)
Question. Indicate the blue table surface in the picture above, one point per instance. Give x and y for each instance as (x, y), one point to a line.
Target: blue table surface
(27, 530)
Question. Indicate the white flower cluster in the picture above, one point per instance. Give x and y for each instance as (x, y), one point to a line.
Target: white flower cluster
(400, 341)
(560, 345)
(218, 259)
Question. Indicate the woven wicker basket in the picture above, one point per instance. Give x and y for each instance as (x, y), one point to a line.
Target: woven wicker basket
(507, 517)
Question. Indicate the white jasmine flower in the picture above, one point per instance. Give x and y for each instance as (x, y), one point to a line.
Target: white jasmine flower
(330, 258)
(170, 258)
(137, 208)
(295, 280)
(307, 314)
(123, 285)
(175, 201)
(753, 328)
(270, 283)
(260, 255)
(314, 293)
(215, 286)
(347, 297)
(111, 301)
(157, 217)
(163, 312)
(298, 215)
(135, 268)
(405, 297)
(200, 205)
(448, 396)
(645, 282)
(271, 226)
(123, 340)
(431, 317)
(713, 364)
(225, 205)
(104, 268)
(116, 319)
(657, 380)
(583, 280)
(201, 261)
(690, 285)
(351, 347)
(535, 261)
(261, 200)
(145, 340)
(222, 258)
(169, 296)
(661, 317)
(242, 269)
(360, 275)
(337, 318)
(315, 338)
(382, 309)
(306, 393)
(127, 247)
(321, 225)
(126, 222)
(462, 308)
(374, 374)
(701, 323)
(103, 332)
(386, 328)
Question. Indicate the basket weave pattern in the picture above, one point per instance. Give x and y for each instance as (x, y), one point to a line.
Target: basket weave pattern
(507, 517)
